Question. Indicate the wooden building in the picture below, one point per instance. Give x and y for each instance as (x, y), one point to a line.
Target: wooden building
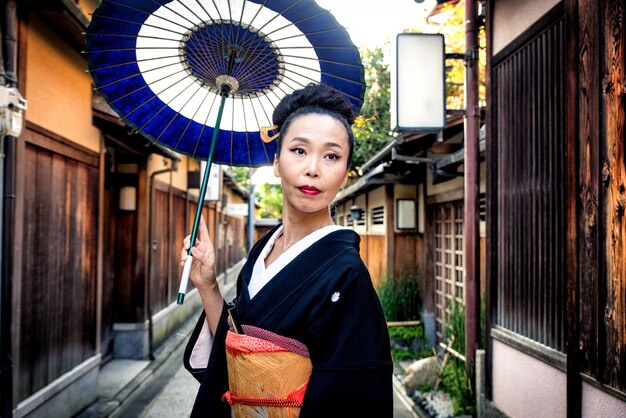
(409, 213)
(100, 216)
(556, 233)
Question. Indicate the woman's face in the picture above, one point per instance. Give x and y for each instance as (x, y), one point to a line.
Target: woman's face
(313, 162)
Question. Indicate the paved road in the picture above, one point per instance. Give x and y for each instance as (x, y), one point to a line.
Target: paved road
(171, 391)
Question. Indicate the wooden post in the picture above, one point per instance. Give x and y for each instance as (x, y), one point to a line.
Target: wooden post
(613, 299)
(572, 324)
(471, 177)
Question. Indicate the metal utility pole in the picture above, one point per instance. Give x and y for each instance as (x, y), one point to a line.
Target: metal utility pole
(471, 177)
(250, 211)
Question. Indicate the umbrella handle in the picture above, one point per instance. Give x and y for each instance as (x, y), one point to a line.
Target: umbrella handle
(184, 280)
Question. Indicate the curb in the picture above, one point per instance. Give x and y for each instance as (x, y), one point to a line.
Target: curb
(105, 407)
(407, 400)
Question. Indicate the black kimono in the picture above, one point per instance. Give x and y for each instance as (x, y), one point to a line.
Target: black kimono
(325, 299)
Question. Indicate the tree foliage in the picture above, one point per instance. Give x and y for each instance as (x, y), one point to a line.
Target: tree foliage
(453, 29)
(375, 134)
(241, 175)
(270, 199)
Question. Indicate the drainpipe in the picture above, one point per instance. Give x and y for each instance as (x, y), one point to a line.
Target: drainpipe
(471, 208)
(7, 183)
(150, 249)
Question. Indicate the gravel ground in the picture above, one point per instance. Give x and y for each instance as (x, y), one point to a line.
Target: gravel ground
(437, 403)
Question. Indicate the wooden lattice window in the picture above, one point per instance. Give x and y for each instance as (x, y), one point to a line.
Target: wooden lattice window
(449, 273)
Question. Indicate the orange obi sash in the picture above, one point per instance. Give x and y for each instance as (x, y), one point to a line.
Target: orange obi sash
(267, 374)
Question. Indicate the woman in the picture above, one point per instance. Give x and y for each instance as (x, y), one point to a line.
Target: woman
(304, 280)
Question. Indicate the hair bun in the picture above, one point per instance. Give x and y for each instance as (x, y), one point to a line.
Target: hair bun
(314, 95)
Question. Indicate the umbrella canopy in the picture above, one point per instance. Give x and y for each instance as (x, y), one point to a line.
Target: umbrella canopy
(161, 66)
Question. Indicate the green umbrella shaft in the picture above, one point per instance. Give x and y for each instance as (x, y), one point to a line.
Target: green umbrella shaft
(203, 187)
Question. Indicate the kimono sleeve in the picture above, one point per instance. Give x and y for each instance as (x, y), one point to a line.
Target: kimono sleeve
(349, 347)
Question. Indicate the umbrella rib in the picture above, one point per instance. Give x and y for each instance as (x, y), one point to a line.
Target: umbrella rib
(320, 47)
(218, 10)
(239, 32)
(138, 23)
(175, 12)
(325, 73)
(176, 114)
(245, 124)
(164, 106)
(257, 13)
(193, 155)
(280, 14)
(269, 120)
(232, 131)
(123, 35)
(258, 123)
(297, 22)
(345, 64)
(258, 62)
(244, 46)
(315, 81)
(257, 42)
(140, 88)
(192, 12)
(129, 49)
(205, 10)
(154, 96)
(148, 14)
(310, 33)
(191, 119)
(137, 74)
(209, 65)
(120, 64)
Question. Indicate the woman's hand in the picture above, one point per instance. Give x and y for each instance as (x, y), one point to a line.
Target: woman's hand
(202, 272)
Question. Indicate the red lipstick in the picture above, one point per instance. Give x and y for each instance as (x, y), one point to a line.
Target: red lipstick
(309, 190)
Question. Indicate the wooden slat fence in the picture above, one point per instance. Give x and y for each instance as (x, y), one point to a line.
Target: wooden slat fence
(57, 317)
(528, 127)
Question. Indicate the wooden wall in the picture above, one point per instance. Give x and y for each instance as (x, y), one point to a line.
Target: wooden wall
(373, 254)
(602, 192)
(173, 220)
(56, 317)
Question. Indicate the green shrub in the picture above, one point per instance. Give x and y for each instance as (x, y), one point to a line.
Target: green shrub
(455, 382)
(400, 296)
(454, 377)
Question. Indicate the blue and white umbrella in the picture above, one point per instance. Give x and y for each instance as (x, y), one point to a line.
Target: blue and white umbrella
(202, 77)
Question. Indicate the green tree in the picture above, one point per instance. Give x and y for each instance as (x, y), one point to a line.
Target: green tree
(241, 175)
(375, 134)
(270, 198)
(453, 29)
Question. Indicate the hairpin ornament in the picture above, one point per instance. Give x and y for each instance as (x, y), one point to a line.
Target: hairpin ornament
(360, 120)
(265, 133)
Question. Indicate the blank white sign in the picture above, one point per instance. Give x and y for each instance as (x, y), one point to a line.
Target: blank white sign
(417, 83)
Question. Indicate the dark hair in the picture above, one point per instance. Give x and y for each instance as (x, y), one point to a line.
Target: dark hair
(314, 99)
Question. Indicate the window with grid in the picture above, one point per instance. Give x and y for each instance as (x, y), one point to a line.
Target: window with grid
(449, 274)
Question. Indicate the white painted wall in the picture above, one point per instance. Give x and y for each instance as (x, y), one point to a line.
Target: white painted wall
(524, 387)
(597, 403)
(512, 17)
(375, 199)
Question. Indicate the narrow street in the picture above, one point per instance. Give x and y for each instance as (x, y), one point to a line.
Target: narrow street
(171, 391)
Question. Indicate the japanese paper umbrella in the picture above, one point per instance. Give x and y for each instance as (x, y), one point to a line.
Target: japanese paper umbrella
(202, 77)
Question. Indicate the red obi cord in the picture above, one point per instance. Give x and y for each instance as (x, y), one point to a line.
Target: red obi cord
(294, 399)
